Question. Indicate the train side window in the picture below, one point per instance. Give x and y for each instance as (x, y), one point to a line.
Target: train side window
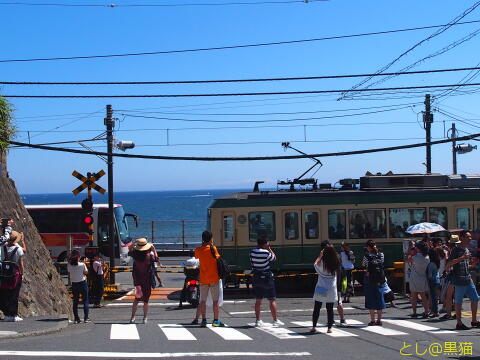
(438, 215)
(463, 218)
(261, 223)
(228, 228)
(402, 218)
(336, 224)
(291, 225)
(368, 223)
(311, 224)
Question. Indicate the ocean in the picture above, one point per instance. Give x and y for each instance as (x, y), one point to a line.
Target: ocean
(167, 218)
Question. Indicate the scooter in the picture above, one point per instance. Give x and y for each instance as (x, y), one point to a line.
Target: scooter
(191, 287)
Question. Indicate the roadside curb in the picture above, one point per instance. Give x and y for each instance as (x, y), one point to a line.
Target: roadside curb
(58, 327)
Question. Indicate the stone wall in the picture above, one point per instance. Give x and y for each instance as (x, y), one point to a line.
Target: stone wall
(43, 291)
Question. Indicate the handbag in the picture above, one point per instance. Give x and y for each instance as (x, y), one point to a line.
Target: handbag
(222, 266)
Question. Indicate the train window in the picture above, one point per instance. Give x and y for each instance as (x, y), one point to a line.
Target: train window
(367, 223)
(336, 224)
(438, 215)
(311, 224)
(401, 219)
(291, 225)
(261, 223)
(463, 218)
(228, 228)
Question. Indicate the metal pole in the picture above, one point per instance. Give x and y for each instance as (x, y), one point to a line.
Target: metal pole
(183, 235)
(427, 120)
(454, 149)
(153, 231)
(111, 233)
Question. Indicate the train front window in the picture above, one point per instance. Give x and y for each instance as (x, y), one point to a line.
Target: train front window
(438, 215)
(401, 219)
(122, 225)
(367, 224)
(228, 228)
(291, 225)
(336, 224)
(261, 223)
(463, 218)
(311, 224)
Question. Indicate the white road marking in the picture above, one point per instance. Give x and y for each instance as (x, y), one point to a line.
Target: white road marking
(280, 311)
(176, 332)
(98, 355)
(7, 333)
(169, 303)
(336, 332)
(279, 332)
(417, 326)
(127, 294)
(228, 333)
(124, 332)
(375, 329)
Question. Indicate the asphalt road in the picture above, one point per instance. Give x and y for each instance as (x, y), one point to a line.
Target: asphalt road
(168, 334)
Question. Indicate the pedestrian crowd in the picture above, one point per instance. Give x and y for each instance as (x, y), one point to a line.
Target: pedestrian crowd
(435, 273)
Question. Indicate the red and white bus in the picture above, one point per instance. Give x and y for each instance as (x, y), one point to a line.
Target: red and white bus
(56, 223)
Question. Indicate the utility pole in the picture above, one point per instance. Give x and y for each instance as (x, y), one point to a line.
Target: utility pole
(427, 122)
(454, 149)
(111, 233)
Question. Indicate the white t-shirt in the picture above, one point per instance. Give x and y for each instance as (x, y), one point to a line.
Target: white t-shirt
(346, 264)
(16, 257)
(97, 267)
(192, 262)
(76, 272)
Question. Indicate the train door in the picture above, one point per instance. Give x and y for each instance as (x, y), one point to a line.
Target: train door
(292, 239)
(464, 217)
(310, 235)
(228, 237)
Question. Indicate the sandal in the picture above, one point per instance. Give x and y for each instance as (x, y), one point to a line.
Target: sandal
(372, 323)
(475, 324)
(378, 323)
(313, 330)
(413, 315)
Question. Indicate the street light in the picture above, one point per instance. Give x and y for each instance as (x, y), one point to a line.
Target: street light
(124, 145)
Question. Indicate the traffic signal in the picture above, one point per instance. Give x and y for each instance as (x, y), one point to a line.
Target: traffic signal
(87, 206)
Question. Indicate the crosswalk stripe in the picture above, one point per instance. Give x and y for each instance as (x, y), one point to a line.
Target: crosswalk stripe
(124, 332)
(228, 333)
(375, 329)
(417, 326)
(336, 332)
(176, 332)
(279, 332)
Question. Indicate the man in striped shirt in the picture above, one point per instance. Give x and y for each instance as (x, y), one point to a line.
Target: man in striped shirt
(263, 280)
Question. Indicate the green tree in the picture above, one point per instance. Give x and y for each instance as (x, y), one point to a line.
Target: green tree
(7, 132)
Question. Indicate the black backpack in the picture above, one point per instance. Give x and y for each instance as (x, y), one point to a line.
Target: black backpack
(8, 270)
(376, 274)
(222, 266)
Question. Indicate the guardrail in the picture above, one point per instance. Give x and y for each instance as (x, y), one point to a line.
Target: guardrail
(169, 234)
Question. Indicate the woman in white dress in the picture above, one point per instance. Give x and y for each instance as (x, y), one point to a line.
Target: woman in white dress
(326, 267)
(418, 278)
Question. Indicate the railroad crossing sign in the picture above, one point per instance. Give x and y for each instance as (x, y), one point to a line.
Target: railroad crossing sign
(88, 182)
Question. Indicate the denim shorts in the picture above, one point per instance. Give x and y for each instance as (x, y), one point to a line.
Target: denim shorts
(462, 290)
(264, 285)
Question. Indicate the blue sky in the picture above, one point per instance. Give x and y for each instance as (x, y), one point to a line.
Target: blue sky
(44, 31)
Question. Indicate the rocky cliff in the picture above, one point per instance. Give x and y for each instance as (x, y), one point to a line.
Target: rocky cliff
(43, 291)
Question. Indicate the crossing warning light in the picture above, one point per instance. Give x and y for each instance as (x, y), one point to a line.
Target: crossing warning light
(88, 219)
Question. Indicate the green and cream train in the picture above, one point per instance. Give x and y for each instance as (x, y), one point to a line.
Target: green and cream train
(381, 208)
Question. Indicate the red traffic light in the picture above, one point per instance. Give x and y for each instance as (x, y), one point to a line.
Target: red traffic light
(88, 219)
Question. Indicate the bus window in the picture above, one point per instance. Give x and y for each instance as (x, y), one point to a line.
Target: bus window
(310, 219)
(336, 224)
(291, 225)
(228, 228)
(261, 223)
(367, 224)
(463, 218)
(438, 215)
(401, 219)
(48, 220)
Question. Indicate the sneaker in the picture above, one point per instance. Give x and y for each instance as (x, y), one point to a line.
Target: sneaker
(259, 323)
(462, 326)
(8, 318)
(17, 318)
(77, 321)
(132, 320)
(145, 320)
(194, 322)
(217, 323)
(203, 323)
(87, 320)
(343, 321)
(278, 323)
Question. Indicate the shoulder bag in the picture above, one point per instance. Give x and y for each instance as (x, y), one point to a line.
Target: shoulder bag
(222, 266)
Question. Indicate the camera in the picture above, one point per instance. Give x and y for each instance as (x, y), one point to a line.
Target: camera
(5, 222)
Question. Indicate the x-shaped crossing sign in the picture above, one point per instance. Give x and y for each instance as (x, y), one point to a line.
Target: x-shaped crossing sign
(88, 182)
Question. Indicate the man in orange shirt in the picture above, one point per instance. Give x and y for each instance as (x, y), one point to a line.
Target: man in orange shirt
(209, 279)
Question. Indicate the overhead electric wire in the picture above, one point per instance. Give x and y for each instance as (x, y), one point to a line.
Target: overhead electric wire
(431, 36)
(236, 94)
(296, 78)
(246, 158)
(236, 3)
(274, 43)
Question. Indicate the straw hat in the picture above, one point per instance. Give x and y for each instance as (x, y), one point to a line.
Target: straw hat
(142, 244)
(454, 239)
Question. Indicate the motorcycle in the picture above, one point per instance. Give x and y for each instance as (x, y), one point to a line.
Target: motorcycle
(191, 287)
